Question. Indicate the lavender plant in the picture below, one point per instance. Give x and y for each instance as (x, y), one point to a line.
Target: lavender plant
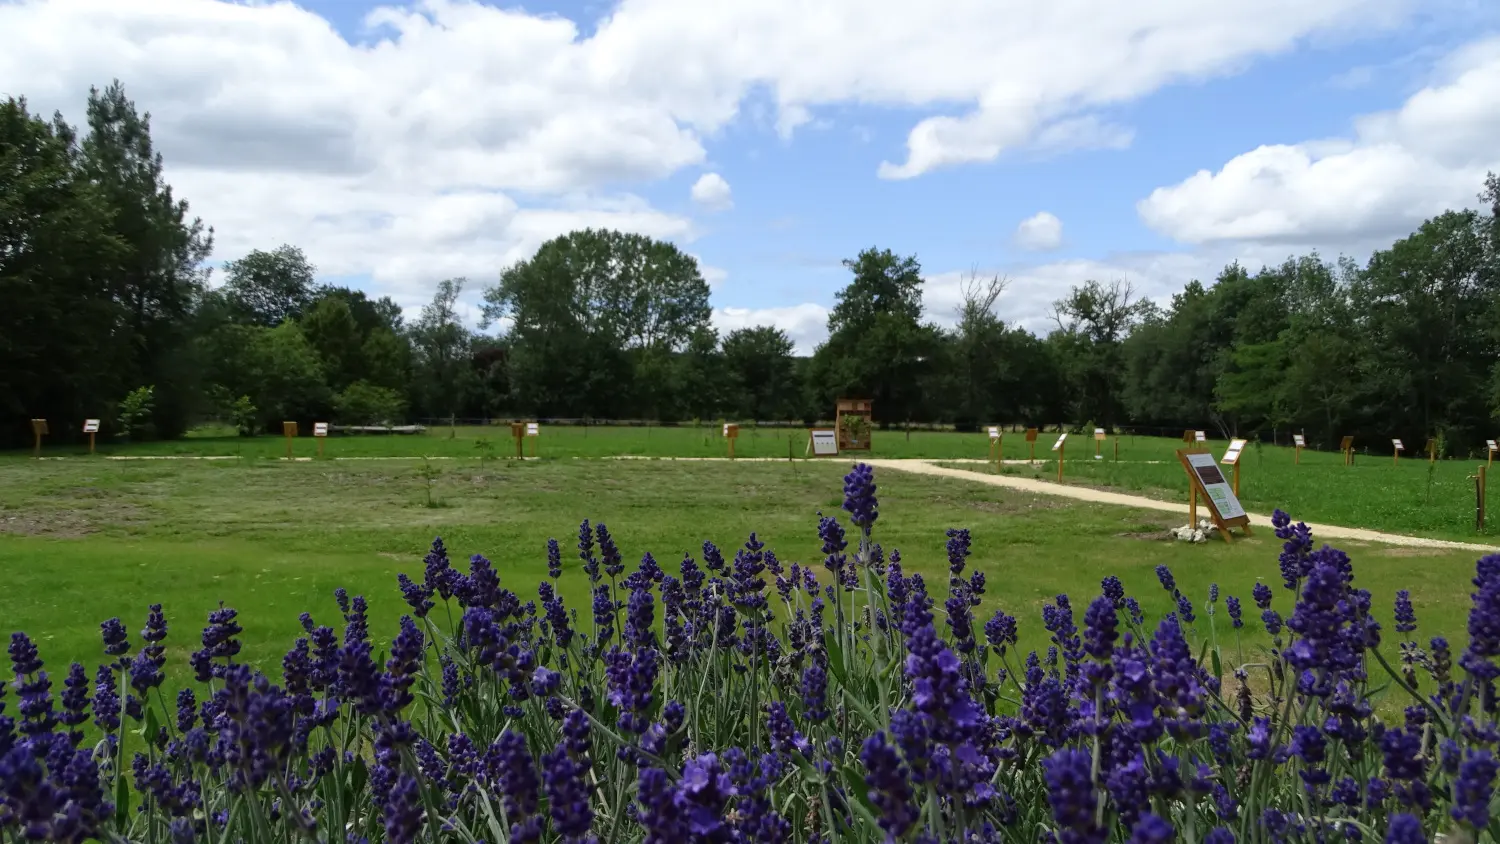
(715, 705)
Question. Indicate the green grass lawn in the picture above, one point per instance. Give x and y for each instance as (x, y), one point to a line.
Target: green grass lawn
(603, 441)
(82, 540)
(1412, 497)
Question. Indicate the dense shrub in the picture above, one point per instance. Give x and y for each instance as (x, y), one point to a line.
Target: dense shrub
(746, 700)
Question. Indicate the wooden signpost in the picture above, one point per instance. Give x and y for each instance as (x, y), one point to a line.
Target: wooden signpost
(731, 433)
(1200, 436)
(1061, 448)
(1396, 449)
(1232, 458)
(38, 430)
(289, 430)
(995, 452)
(320, 432)
(1031, 441)
(1347, 447)
(1431, 449)
(518, 433)
(854, 435)
(91, 427)
(1490, 448)
(1187, 436)
(1099, 445)
(1299, 442)
(823, 442)
(533, 433)
(1205, 480)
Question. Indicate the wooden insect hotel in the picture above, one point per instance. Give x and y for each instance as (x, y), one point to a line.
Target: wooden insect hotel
(854, 421)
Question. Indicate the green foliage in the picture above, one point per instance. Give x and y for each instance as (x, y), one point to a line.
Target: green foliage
(363, 403)
(135, 412)
(244, 414)
(762, 379)
(268, 288)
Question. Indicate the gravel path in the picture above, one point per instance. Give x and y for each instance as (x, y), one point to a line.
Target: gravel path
(1320, 532)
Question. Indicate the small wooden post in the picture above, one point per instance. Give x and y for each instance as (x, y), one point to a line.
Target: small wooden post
(1117, 448)
(534, 433)
(1347, 447)
(91, 442)
(1479, 496)
(518, 433)
(1396, 449)
(1490, 447)
(1297, 443)
(1431, 449)
(90, 427)
(996, 452)
(38, 430)
(1031, 442)
(289, 430)
(731, 433)
(1061, 456)
(1192, 505)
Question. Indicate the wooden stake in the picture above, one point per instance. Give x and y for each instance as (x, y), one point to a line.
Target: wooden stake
(320, 448)
(1060, 456)
(91, 442)
(1192, 505)
(1299, 455)
(1117, 448)
(731, 448)
(1236, 479)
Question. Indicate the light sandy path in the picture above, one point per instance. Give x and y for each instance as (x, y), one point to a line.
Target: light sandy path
(1320, 532)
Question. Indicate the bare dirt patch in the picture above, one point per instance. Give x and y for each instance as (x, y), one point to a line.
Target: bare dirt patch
(1161, 535)
(65, 524)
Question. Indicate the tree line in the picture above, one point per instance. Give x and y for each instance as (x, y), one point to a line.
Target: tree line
(111, 313)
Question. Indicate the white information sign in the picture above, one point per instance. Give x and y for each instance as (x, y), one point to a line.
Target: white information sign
(1061, 438)
(1098, 433)
(825, 442)
(1490, 444)
(91, 426)
(1396, 444)
(1200, 436)
(320, 429)
(994, 432)
(1218, 489)
(1232, 455)
(726, 429)
(1299, 441)
(533, 429)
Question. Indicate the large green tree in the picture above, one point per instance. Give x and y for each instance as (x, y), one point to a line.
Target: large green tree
(594, 319)
(761, 375)
(267, 288)
(877, 346)
(160, 273)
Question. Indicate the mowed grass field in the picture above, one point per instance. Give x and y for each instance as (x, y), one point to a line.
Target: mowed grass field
(1411, 497)
(83, 540)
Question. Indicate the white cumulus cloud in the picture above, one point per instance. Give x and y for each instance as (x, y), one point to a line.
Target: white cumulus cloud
(806, 324)
(712, 192)
(1397, 168)
(1039, 232)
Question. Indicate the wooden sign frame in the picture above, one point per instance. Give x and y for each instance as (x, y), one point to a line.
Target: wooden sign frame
(533, 433)
(854, 407)
(1197, 488)
(1031, 442)
(1432, 449)
(1099, 437)
(1490, 447)
(731, 433)
(1061, 447)
(1396, 448)
(1200, 436)
(289, 430)
(91, 427)
(1346, 445)
(320, 433)
(518, 433)
(1232, 458)
(997, 437)
(812, 439)
(1299, 442)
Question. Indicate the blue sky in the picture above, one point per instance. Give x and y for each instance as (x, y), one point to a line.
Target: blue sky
(449, 137)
